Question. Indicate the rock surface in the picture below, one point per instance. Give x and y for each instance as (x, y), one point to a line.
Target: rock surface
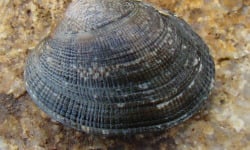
(223, 124)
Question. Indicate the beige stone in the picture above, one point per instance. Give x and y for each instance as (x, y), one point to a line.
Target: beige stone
(231, 5)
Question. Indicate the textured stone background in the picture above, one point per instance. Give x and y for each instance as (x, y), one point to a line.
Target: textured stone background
(224, 124)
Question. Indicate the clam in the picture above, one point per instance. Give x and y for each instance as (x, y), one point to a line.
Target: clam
(120, 67)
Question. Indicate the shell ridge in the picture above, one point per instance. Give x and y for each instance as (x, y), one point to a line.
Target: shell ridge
(60, 85)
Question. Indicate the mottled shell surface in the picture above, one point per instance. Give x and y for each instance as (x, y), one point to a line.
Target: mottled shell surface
(120, 67)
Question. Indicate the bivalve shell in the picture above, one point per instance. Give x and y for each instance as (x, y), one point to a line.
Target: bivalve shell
(120, 67)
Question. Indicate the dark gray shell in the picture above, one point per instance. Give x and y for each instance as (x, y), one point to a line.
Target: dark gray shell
(120, 67)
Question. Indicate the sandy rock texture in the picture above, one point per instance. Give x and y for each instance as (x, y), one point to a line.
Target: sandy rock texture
(223, 124)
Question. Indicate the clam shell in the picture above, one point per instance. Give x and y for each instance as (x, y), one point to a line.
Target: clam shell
(120, 67)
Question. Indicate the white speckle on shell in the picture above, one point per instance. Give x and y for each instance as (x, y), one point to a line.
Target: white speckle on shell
(85, 78)
(83, 36)
(147, 64)
(58, 117)
(211, 84)
(172, 50)
(162, 105)
(196, 61)
(94, 65)
(169, 29)
(96, 75)
(90, 71)
(191, 84)
(107, 74)
(200, 68)
(105, 132)
(120, 105)
(66, 83)
(55, 94)
(101, 70)
(174, 90)
(184, 47)
(180, 95)
(49, 59)
(170, 42)
(186, 63)
(158, 61)
(73, 66)
(34, 96)
(31, 92)
(143, 86)
(81, 75)
(158, 126)
(85, 128)
(154, 53)
(47, 47)
(168, 35)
